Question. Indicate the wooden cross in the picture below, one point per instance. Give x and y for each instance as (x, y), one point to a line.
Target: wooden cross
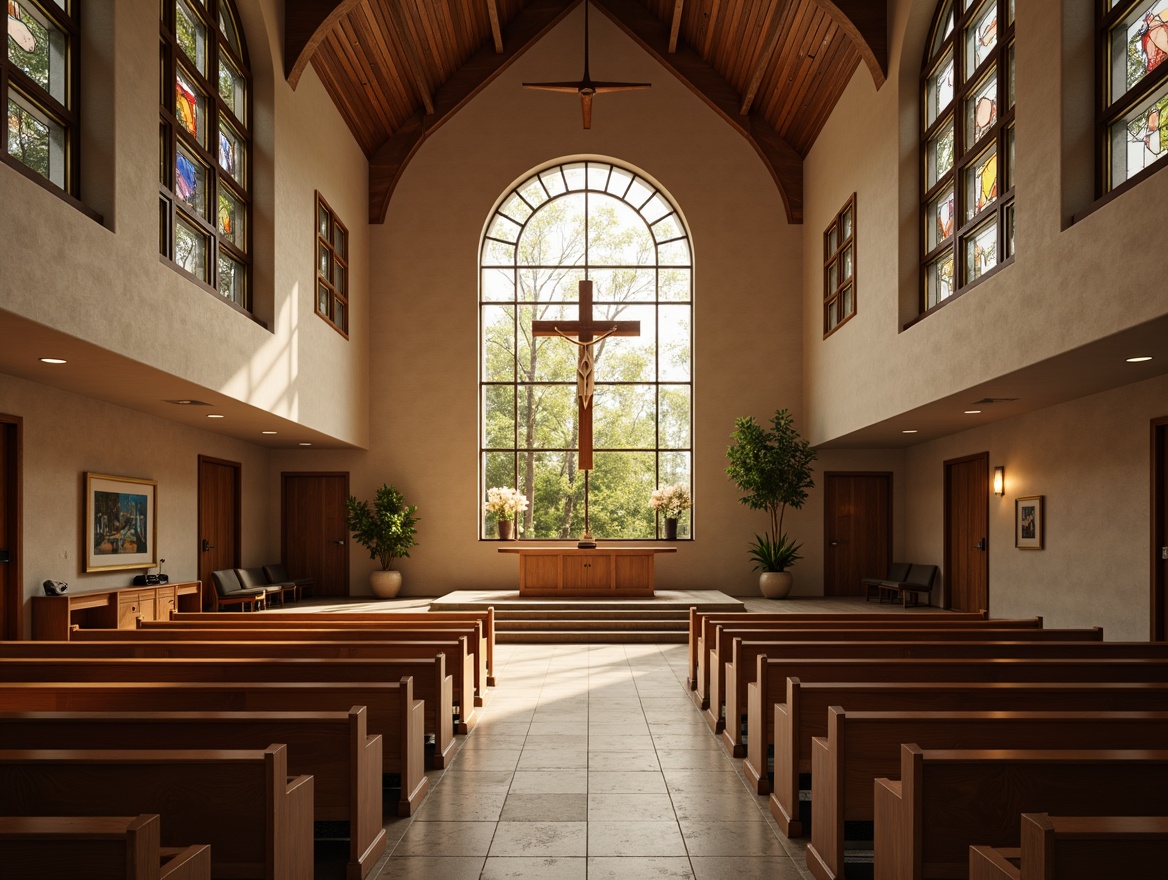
(586, 334)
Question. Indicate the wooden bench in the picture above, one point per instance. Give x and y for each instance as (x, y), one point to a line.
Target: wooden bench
(460, 661)
(948, 800)
(276, 661)
(743, 668)
(334, 748)
(109, 848)
(486, 618)
(862, 746)
(392, 711)
(242, 803)
(721, 655)
(1077, 848)
(801, 715)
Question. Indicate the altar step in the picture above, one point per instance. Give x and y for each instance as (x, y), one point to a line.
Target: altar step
(593, 625)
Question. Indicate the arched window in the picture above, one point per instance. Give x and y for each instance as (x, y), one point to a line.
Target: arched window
(205, 146)
(38, 79)
(607, 224)
(1133, 121)
(968, 146)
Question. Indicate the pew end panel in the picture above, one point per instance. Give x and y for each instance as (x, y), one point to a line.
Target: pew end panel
(990, 863)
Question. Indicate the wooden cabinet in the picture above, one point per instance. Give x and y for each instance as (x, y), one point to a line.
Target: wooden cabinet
(569, 571)
(54, 616)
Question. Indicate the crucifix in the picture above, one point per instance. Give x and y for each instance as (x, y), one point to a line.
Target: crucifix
(585, 333)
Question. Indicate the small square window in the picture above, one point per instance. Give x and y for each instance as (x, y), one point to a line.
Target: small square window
(839, 248)
(332, 268)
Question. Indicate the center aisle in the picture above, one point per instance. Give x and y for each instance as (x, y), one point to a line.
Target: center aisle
(590, 761)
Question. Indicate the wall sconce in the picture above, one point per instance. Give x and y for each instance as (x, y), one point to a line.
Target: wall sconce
(999, 480)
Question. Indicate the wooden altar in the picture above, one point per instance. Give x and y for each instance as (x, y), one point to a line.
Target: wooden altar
(603, 571)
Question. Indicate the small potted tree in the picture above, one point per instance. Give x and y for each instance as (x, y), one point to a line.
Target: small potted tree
(773, 469)
(387, 530)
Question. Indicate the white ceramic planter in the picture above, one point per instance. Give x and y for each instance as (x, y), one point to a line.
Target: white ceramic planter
(385, 584)
(776, 584)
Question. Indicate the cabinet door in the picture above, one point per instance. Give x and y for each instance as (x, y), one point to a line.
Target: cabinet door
(129, 610)
(164, 602)
(591, 573)
(540, 572)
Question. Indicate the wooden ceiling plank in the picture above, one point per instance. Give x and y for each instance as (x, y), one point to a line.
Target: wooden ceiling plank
(764, 57)
(397, 88)
(496, 27)
(675, 27)
(391, 157)
(306, 24)
(413, 64)
(361, 34)
(711, 26)
(866, 25)
(781, 160)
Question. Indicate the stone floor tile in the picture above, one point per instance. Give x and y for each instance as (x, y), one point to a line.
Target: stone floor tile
(486, 759)
(635, 839)
(630, 783)
(745, 868)
(446, 839)
(453, 805)
(545, 808)
(552, 759)
(627, 762)
(429, 867)
(539, 839)
(534, 868)
(541, 782)
(707, 838)
(622, 807)
(639, 868)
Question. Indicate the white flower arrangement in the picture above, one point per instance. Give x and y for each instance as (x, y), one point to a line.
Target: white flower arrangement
(504, 502)
(671, 500)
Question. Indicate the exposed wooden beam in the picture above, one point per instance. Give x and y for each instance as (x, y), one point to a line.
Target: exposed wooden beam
(306, 24)
(675, 28)
(523, 31)
(781, 160)
(770, 41)
(866, 24)
(417, 72)
(711, 21)
(496, 28)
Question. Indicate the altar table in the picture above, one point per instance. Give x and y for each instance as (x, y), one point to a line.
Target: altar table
(615, 571)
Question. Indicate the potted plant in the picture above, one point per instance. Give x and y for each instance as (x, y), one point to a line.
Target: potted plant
(773, 468)
(505, 504)
(387, 530)
(670, 501)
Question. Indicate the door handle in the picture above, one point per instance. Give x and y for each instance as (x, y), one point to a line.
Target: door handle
(340, 543)
(834, 544)
(207, 545)
(980, 545)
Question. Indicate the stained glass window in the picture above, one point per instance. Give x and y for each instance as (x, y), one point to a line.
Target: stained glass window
(839, 268)
(39, 81)
(600, 222)
(1133, 47)
(332, 267)
(967, 117)
(205, 185)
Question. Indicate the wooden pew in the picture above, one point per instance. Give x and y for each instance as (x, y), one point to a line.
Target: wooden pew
(109, 848)
(334, 748)
(863, 746)
(460, 662)
(276, 661)
(392, 711)
(743, 667)
(374, 630)
(486, 618)
(948, 800)
(721, 654)
(256, 819)
(1077, 848)
(795, 722)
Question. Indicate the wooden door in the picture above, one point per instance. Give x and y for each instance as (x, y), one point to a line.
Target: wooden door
(857, 530)
(967, 503)
(1159, 618)
(219, 520)
(11, 580)
(315, 538)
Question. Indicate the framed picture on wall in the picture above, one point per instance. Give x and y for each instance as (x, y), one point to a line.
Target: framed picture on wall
(1028, 522)
(121, 523)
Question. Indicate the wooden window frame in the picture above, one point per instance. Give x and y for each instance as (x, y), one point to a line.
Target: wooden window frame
(172, 133)
(335, 259)
(66, 114)
(999, 211)
(832, 294)
(1153, 86)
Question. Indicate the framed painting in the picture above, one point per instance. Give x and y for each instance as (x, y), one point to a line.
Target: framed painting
(121, 523)
(1028, 524)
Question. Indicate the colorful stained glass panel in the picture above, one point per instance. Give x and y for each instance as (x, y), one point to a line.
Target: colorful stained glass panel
(190, 249)
(981, 251)
(1139, 45)
(939, 155)
(36, 140)
(232, 88)
(939, 224)
(190, 180)
(232, 152)
(1138, 140)
(943, 32)
(191, 32)
(39, 48)
(939, 90)
(981, 36)
(981, 183)
(939, 280)
(189, 108)
(232, 217)
(227, 25)
(981, 110)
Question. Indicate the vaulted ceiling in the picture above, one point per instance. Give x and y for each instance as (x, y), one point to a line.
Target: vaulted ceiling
(398, 69)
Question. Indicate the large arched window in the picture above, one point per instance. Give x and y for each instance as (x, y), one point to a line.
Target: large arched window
(1133, 121)
(968, 146)
(205, 146)
(600, 222)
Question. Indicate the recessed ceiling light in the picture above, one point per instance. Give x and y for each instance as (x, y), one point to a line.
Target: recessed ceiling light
(1135, 360)
(305, 443)
(972, 412)
(267, 432)
(214, 416)
(909, 431)
(53, 361)
(183, 402)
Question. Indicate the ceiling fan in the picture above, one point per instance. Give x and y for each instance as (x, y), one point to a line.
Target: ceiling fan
(586, 88)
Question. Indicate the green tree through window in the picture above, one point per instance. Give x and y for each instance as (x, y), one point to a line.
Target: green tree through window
(601, 222)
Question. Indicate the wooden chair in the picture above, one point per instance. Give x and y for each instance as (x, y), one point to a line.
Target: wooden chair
(920, 580)
(229, 591)
(256, 579)
(278, 574)
(898, 571)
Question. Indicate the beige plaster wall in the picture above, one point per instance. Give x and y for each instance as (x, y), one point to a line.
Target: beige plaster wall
(105, 283)
(423, 268)
(1057, 295)
(127, 443)
(1091, 460)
